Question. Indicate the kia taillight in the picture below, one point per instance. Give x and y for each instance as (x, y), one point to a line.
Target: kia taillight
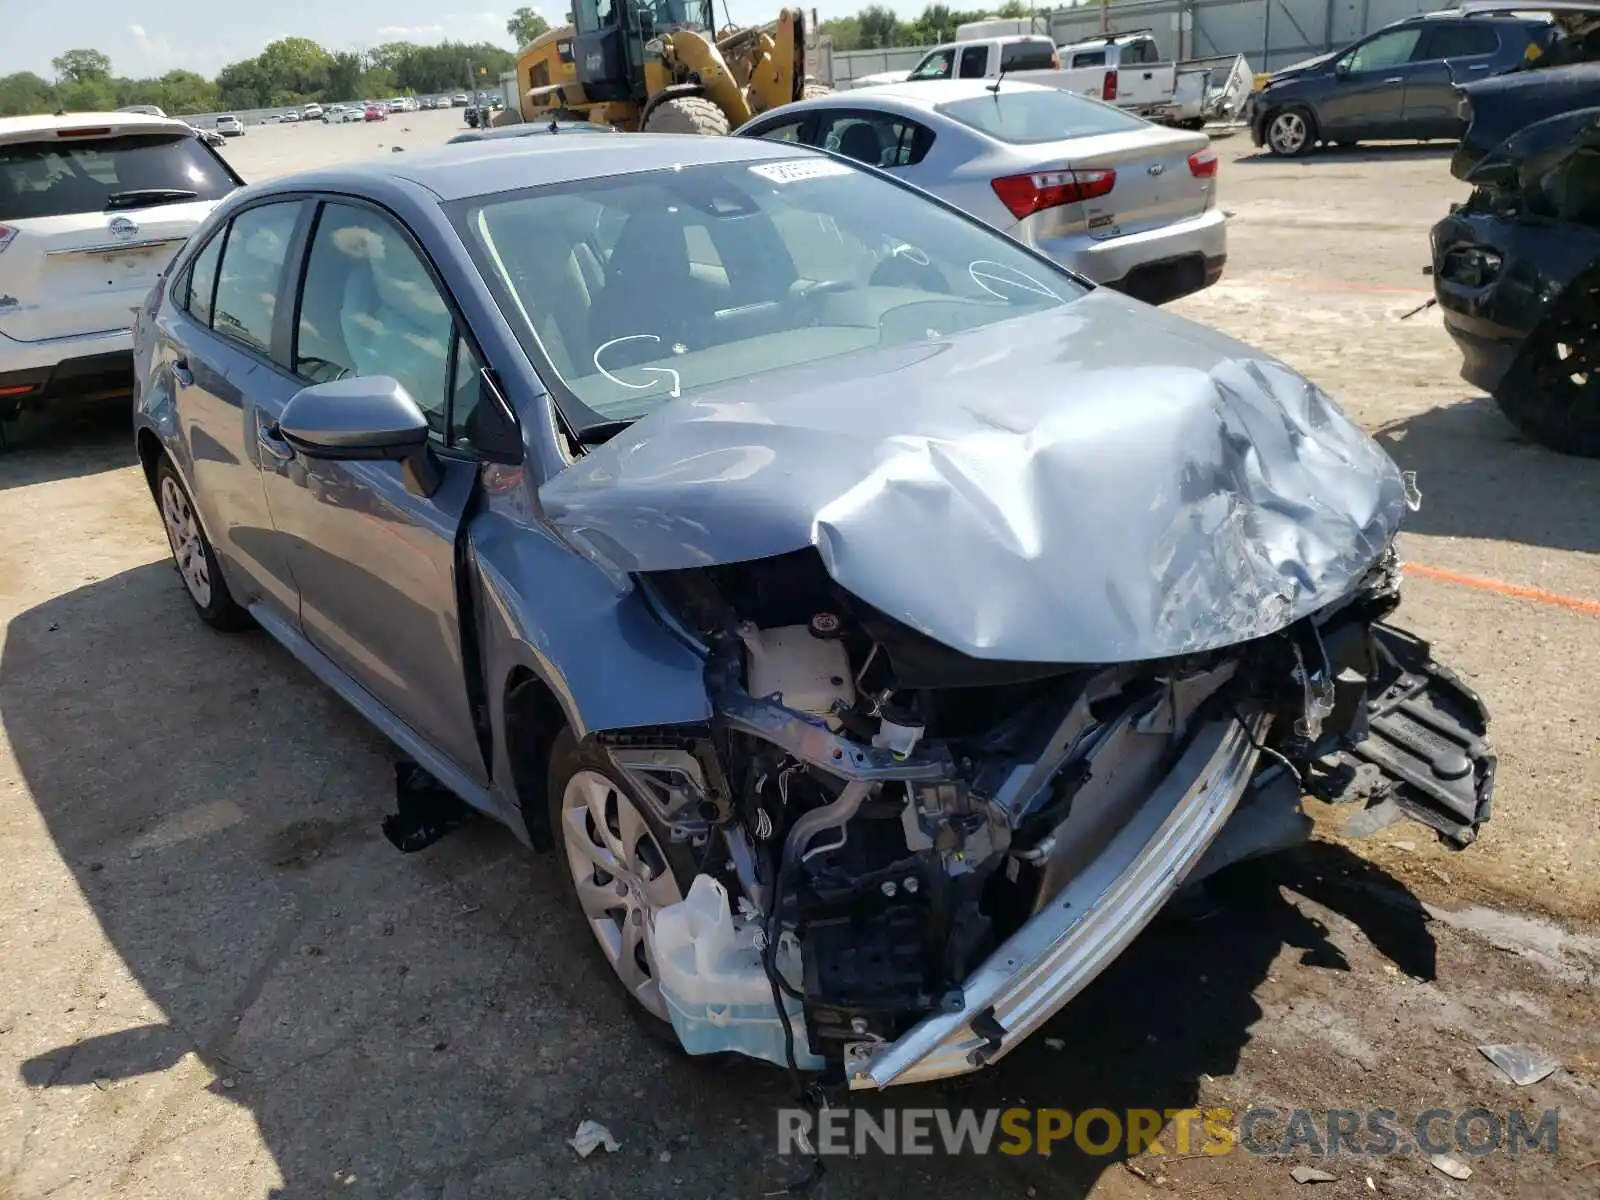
(1025, 195)
(1203, 163)
(7, 236)
(1108, 91)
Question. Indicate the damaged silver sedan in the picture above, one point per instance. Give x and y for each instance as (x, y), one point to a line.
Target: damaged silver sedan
(876, 622)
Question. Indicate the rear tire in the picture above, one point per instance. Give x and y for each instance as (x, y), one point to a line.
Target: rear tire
(1552, 392)
(688, 114)
(192, 555)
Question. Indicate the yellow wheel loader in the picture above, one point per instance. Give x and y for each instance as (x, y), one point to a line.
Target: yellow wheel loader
(657, 65)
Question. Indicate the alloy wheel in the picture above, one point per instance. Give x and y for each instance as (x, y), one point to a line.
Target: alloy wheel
(1288, 132)
(621, 877)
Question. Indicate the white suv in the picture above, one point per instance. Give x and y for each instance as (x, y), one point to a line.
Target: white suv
(92, 208)
(229, 125)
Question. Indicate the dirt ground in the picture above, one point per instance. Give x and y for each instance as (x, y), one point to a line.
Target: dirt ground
(218, 980)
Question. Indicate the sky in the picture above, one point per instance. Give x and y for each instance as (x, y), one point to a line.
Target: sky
(151, 37)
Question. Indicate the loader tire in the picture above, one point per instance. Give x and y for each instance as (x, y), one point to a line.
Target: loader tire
(687, 114)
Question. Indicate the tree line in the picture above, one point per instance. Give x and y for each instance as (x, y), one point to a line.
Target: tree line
(290, 71)
(877, 28)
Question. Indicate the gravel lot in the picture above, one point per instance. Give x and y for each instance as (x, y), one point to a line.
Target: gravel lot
(218, 980)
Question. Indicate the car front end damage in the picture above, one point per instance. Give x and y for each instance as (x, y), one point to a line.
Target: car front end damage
(990, 677)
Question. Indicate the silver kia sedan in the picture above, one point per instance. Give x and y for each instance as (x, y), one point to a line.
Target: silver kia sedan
(873, 621)
(1121, 201)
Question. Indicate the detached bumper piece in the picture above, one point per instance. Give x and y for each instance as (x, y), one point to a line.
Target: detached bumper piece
(1426, 754)
(1047, 962)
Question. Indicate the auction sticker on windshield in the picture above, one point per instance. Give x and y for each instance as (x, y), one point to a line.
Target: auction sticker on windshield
(793, 170)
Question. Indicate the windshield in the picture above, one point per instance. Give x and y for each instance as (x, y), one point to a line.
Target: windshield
(1028, 115)
(637, 289)
(57, 178)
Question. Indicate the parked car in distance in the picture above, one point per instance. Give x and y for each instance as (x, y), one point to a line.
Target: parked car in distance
(1116, 198)
(92, 208)
(459, 100)
(149, 110)
(311, 112)
(229, 125)
(702, 506)
(1397, 83)
(530, 129)
(292, 117)
(376, 112)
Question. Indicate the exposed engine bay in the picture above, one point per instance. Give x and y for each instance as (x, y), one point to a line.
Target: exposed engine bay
(877, 820)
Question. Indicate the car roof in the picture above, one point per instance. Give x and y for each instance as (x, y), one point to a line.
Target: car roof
(921, 94)
(465, 169)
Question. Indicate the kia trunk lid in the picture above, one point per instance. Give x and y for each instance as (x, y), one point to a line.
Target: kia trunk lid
(1152, 182)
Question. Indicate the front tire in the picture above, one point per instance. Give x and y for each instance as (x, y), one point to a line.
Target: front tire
(1291, 132)
(193, 557)
(621, 867)
(688, 114)
(1552, 392)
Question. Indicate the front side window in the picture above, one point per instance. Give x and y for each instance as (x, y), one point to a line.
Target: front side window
(107, 174)
(935, 66)
(369, 307)
(1384, 51)
(251, 277)
(733, 271)
(1023, 117)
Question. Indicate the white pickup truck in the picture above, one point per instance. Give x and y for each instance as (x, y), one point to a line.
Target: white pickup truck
(1124, 69)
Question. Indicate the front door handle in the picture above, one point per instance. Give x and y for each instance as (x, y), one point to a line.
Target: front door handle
(271, 440)
(181, 373)
(1395, 79)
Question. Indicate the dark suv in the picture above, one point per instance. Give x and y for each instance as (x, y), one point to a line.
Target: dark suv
(1397, 83)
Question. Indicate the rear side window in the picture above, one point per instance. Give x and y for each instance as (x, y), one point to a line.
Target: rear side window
(1089, 58)
(1045, 115)
(251, 278)
(201, 282)
(1027, 56)
(1461, 41)
(60, 177)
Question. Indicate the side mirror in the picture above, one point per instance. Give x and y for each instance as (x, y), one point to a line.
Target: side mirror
(1342, 68)
(366, 418)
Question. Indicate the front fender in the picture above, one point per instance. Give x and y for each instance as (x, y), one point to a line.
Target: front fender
(589, 636)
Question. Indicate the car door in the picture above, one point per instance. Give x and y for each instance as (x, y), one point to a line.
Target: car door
(376, 563)
(1365, 97)
(217, 347)
(1452, 52)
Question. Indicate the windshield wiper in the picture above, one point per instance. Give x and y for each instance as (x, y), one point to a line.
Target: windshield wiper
(139, 196)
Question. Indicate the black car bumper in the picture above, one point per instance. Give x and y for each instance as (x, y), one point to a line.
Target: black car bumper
(1170, 278)
(1496, 277)
(97, 376)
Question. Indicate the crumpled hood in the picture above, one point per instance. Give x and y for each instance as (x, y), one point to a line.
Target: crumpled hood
(1304, 67)
(1104, 482)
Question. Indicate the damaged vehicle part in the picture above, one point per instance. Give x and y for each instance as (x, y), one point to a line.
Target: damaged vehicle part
(1516, 271)
(877, 622)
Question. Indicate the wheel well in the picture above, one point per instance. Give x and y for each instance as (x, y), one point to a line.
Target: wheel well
(149, 456)
(533, 718)
(1305, 110)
